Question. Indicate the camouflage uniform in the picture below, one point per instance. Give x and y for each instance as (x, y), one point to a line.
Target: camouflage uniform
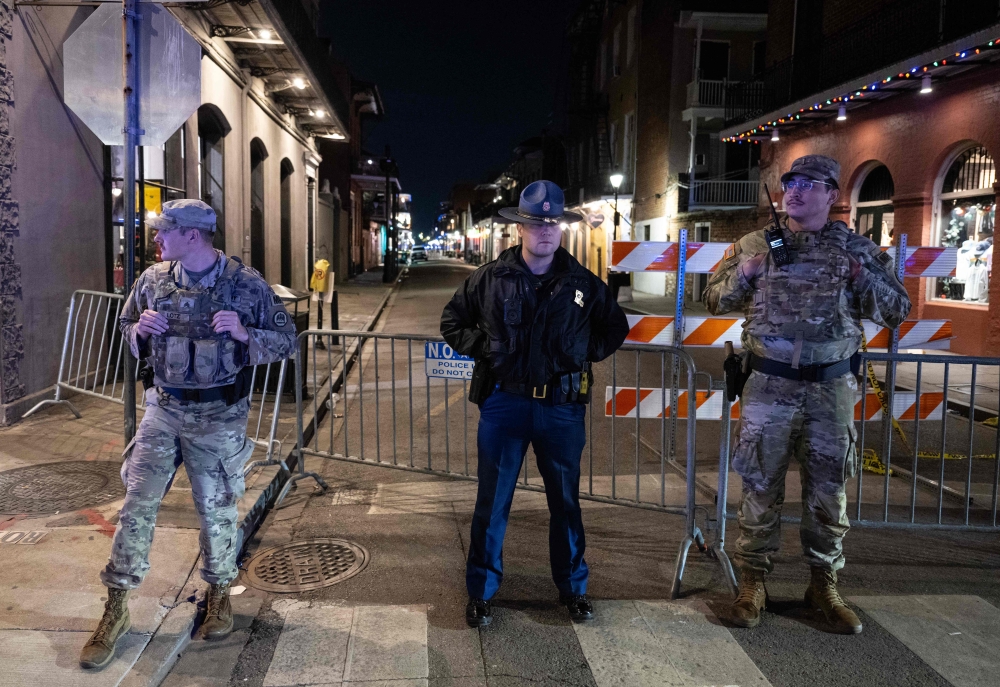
(802, 314)
(209, 438)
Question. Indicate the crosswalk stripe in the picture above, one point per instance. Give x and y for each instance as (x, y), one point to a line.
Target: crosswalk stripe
(663, 643)
(955, 635)
(334, 645)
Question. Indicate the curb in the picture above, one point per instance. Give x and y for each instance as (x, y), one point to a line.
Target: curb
(158, 658)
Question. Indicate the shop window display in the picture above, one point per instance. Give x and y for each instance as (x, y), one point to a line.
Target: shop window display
(966, 221)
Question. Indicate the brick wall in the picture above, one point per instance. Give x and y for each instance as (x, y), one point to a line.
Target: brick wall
(916, 136)
(11, 330)
(656, 28)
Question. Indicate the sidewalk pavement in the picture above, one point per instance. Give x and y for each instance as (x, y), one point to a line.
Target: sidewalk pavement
(51, 593)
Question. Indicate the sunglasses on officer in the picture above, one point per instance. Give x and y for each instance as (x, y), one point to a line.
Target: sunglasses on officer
(804, 184)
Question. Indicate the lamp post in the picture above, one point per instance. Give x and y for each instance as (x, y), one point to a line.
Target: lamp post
(616, 181)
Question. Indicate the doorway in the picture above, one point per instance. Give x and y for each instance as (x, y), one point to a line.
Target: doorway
(258, 153)
(286, 221)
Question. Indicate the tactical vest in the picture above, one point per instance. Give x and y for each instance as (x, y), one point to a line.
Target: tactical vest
(190, 355)
(809, 300)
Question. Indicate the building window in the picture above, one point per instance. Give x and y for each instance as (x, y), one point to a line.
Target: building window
(616, 52)
(602, 67)
(613, 140)
(874, 215)
(212, 131)
(630, 37)
(965, 221)
(628, 138)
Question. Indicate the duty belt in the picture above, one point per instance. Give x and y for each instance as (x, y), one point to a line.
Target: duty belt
(810, 373)
(570, 387)
(216, 393)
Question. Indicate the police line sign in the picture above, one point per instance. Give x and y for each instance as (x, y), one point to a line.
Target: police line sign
(441, 360)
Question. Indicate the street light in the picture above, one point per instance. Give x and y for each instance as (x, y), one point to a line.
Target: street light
(616, 181)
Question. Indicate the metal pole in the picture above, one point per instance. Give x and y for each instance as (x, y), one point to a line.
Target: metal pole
(131, 134)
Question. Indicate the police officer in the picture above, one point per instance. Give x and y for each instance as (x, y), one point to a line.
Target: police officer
(804, 289)
(200, 319)
(534, 319)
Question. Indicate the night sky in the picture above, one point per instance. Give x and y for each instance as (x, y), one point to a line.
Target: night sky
(463, 82)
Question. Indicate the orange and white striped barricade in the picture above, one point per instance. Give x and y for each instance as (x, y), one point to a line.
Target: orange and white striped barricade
(703, 258)
(715, 331)
(654, 403)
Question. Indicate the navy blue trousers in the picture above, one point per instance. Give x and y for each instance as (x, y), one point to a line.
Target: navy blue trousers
(507, 424)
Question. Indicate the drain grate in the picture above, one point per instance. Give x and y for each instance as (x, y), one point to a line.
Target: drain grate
(306, 565)
(60, 487)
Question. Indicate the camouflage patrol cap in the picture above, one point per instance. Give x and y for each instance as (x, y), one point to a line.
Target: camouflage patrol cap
(186, 212)
(818, 167)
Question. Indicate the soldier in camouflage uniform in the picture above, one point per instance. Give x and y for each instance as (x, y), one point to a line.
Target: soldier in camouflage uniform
(200, 319)
(803, 325)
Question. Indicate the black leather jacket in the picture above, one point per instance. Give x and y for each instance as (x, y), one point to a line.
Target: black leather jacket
(529, 334)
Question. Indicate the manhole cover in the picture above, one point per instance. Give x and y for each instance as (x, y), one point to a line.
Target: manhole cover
(306, 565)
(60, 487)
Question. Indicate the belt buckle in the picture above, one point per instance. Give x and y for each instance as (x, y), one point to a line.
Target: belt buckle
(545, 389)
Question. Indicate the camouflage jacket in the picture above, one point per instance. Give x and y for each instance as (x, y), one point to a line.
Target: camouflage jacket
(231, 285)
(809, 312)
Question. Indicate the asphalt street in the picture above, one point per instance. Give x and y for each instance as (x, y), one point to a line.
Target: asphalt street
(928, 598)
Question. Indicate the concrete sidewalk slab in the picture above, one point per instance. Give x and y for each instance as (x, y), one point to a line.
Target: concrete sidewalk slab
(51, 659)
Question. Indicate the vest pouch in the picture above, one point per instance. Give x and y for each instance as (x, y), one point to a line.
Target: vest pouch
(227, 358)
(178, 359)
(206, 360)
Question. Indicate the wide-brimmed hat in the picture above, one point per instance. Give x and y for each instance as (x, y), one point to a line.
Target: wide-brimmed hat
(189, 213)
(542, 202)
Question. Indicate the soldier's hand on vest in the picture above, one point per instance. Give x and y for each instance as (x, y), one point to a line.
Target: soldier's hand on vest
(229, 321)
(754, 267)
(855, 266)
(150, 322)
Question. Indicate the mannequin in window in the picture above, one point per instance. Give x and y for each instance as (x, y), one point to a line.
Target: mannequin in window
(963, 269)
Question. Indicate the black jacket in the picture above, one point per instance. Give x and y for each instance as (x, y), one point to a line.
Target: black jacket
(529, 334)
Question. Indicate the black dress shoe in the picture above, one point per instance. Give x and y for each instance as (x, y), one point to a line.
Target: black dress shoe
(579, 606)
(478, 613)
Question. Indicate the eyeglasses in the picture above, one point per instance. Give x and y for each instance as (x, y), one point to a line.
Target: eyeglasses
(802, 184)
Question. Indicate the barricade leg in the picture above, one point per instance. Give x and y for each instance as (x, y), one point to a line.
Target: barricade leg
(693, 533)
(53, 402)
(273, 456)
(718, 549)
(302, 473)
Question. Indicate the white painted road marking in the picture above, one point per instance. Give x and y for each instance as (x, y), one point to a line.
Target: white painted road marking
(955, 635)
(336, 645)
(663, 643)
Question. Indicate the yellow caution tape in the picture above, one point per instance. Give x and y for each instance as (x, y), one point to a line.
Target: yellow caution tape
(870, 462)
(990, 422)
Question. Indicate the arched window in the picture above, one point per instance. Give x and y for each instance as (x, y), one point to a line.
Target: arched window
(258, 153)
(212, 130)
(965, 221)
(874, 206)
(286, 221)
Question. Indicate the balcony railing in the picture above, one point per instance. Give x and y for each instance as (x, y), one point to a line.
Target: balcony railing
(722, 193)
(706, 93)
(900, 30)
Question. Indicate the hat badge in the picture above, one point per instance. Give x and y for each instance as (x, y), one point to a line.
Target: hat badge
(546, 206)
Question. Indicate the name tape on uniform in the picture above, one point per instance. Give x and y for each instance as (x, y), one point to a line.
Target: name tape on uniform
(654, 403)
(704, 258)
(715, 331)
(443, 362)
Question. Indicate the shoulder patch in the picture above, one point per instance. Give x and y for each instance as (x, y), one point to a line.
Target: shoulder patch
(279, 319)
(275, 299)
(731, 251)
(884, 257)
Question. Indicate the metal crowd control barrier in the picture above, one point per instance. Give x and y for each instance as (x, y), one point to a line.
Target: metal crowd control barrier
(92, 363)
(93, 354)
(386, 411)
(952, 486)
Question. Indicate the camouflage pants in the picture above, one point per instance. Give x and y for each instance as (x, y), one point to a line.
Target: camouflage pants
(210, 439)
(813, 421)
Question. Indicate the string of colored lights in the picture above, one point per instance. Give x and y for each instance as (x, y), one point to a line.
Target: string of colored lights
(921, 70)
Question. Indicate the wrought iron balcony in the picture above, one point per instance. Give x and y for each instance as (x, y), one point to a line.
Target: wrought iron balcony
(723, 193)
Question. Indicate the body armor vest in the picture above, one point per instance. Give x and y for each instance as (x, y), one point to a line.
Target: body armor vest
(190, 355)
(807, 303)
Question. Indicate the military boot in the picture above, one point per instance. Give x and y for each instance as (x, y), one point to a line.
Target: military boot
(822, 595)
(100, 648)
(745, 611)
(218, 612)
